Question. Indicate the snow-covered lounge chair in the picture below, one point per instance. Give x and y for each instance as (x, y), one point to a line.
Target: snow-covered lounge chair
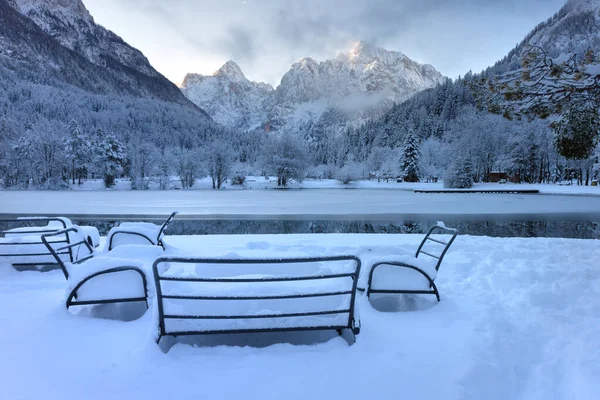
(23, 245)
(214, 296)
(137, 233)
(413, 275)
(97, 279)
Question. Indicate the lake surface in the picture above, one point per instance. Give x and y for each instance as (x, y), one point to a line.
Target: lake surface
(577, 229)
(305, 204)
(205, 212)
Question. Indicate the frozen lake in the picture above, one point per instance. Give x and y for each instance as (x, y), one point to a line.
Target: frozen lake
(321, 204)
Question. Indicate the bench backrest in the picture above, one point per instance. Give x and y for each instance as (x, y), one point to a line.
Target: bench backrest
(77, 246)
(440, 247)
(30, 232)
(233, 296)
(163, 227)
(139, 230)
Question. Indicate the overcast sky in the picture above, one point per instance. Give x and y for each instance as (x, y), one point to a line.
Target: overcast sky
(266, 36)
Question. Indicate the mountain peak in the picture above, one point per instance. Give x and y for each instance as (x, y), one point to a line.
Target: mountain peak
(231, 70)
(306, 63)
(365, 51)
(74, 8)
(583, 5)
(364, 48)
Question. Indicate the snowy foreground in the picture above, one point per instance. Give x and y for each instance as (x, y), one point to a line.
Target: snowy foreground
(519, 319)
(371, 204)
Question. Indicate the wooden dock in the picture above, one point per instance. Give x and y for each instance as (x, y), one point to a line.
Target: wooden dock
(493, 191)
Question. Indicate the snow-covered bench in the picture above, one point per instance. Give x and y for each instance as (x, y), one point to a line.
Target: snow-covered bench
(413, 275)
(213, 296)
(99, 279)
(23, 244)
(137, 233)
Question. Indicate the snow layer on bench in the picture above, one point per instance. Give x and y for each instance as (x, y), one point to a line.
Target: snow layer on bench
(118, 284)
(129, 233)
(334, 320)
(256, 307)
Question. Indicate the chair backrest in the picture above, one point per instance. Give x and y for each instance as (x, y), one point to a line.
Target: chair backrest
(231, 295)
(23, 229)
(441, 247)
(29, 235)
(163, 227)
(73, 247)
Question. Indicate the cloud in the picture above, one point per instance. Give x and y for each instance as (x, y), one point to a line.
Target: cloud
(266, 36)
(239, 43)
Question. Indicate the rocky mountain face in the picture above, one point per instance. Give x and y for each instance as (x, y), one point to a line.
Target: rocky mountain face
(229, 97)
(575, 28)
(333, 94)
(58, 69)
(65, 33)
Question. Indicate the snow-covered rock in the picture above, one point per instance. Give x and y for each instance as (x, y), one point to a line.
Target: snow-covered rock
(229, 97)
(71, 8)
(575, 28)
(363, 82)
(69, 22)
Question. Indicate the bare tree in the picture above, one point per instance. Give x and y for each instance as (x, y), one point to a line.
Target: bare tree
(219, 160)
(287, 157)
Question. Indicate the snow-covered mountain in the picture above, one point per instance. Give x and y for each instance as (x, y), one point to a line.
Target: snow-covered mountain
(338, 92)
(58, 69)
(69, 24)
(229, 97)
(575, 28)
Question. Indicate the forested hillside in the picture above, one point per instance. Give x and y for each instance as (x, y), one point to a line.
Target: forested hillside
(60, 106)
(450, 126)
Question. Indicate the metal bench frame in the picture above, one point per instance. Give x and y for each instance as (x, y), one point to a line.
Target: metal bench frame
(163, 227)
(433, 288)
(35, 230)
(352, 325)
(72, 298)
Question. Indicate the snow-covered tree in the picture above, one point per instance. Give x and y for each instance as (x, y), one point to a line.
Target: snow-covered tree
(219, 160)
(287, 157)
(79, 152)
(143, 164)
(164, 168)
(49, 159)
(459, 175)
(543, 86)
(350, 172)
(578, 132)
(188, 165)
(110, 156)
(383, 162)
(409, 164)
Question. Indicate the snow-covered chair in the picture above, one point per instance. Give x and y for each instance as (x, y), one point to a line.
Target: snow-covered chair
(413, 275)
(93, 279)
(144, 233)
(198, 296)
(23, 245)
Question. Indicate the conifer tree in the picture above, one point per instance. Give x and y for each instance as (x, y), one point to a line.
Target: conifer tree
(410, 158)
(110, 156)
(460, 173)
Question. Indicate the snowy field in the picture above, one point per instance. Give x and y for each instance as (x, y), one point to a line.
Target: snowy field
(518, 320)
(293, 204)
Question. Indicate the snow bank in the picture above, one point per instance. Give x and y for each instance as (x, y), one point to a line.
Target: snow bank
(518, 320)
